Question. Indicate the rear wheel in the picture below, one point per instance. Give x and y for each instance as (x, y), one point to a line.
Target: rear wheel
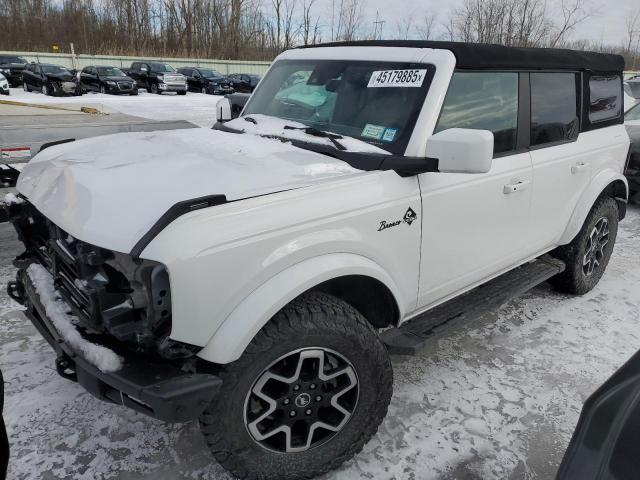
(309, 391)
(587, 256)
(103, 89)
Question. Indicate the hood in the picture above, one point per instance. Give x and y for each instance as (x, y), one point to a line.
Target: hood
(116, 78)
(63, 77)
(110, 190)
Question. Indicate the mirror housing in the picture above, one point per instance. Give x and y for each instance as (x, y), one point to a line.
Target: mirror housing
(462, 150)
(223, 110)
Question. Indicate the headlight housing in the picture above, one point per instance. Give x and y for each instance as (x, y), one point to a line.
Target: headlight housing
(109, 82)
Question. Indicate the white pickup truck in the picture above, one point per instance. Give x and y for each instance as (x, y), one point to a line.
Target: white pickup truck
(369, 193)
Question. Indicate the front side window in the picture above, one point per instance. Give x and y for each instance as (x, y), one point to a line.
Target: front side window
(483, 101)
(554, 108)
(633, 113)
(605, 98)
(376, 102)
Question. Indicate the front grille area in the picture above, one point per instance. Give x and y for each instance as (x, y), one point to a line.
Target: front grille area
(125, 85)
(109, 292)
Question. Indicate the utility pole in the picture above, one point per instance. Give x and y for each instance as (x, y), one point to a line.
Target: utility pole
(378, 23)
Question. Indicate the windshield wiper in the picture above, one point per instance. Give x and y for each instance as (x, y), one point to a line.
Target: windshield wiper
(333, 138)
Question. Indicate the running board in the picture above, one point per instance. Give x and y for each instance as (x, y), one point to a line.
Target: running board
(412, 336)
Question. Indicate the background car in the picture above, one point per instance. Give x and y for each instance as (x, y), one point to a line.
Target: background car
(632, 122)
(50, 80)
(206, 80)
(11, 67)
(633, 86)
(4, 85)
(157, 77)
(244, 82)
(105, 79)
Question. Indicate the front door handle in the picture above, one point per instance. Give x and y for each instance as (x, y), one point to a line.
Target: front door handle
(579, 167)
(517, 186)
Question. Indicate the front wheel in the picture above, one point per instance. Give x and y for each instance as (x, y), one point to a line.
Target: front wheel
(309, 391)
(103, 89)
(155, 90)
(25, 87)
(45, 90)
(588, 254)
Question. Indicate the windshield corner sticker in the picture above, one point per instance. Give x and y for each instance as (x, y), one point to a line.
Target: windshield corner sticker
(397, 78)
(408, 218)
(373, 131)
(389, 134)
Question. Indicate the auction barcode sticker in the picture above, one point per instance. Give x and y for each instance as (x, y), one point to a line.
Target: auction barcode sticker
(397, 78)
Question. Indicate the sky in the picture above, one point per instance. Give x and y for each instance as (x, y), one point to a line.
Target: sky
(607, 25)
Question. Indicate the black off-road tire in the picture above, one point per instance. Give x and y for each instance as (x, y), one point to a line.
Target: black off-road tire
(313, 320)
(574, 280)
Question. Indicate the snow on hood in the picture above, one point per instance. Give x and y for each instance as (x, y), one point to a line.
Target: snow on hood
(274, 126)
(110, 190)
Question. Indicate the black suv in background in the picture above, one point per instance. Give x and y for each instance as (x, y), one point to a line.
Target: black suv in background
(206, 80)
(105, 79)
(244, 82)
(157, 77)
(11, 67)
(50, 80)
(632, 122)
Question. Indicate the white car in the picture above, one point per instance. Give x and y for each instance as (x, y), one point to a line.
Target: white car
(4, 85)
(256, 276)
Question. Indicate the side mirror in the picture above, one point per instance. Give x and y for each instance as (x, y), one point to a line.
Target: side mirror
(462, 150)
(223, 110)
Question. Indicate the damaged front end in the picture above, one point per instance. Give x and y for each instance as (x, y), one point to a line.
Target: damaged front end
(111, 293)
(113, 302)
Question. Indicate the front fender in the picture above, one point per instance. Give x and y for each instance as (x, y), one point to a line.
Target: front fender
(598, 184)
(245, 321)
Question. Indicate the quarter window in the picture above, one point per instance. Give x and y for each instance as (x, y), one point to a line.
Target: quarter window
(554, 108)
(605, 98)
(483, 101)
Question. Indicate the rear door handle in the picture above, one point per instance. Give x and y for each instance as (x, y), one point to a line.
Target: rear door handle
(579, 167)
(517, 186)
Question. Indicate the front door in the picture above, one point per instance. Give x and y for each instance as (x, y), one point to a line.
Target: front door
(475, 226)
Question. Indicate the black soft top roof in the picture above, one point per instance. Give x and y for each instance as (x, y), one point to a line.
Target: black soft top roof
(486, 55)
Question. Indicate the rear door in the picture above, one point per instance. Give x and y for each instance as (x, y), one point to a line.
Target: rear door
(475, 225)
(561, 160)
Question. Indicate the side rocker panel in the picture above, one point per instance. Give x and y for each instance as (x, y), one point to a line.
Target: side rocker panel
(598, 184)
(239, 328)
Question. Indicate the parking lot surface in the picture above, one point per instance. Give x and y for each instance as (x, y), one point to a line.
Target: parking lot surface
(494, 399)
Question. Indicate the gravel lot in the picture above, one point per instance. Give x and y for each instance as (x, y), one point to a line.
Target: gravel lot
(495, 399)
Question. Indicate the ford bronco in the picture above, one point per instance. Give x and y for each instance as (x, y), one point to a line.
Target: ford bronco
(368, 194)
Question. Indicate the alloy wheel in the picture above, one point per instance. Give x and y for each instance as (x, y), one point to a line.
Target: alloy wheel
(301, 400)
(45, 90)
(598, 240)
(204, 90)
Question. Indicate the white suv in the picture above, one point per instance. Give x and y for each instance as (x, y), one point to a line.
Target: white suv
(248, 275)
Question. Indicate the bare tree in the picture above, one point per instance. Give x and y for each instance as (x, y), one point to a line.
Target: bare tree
(573, 12)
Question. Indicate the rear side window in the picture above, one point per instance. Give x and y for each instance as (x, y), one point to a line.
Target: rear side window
(483, 101)
(605, 98)
(554, 108)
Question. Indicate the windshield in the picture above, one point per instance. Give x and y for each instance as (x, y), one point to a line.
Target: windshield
(11, 59)
(633, 113)
(110, 72)
(54, 69)
(162, 67)
(209, 73)
(376, 102)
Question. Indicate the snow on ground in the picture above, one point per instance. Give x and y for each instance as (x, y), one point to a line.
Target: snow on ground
(494, 399)
(197, 108)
